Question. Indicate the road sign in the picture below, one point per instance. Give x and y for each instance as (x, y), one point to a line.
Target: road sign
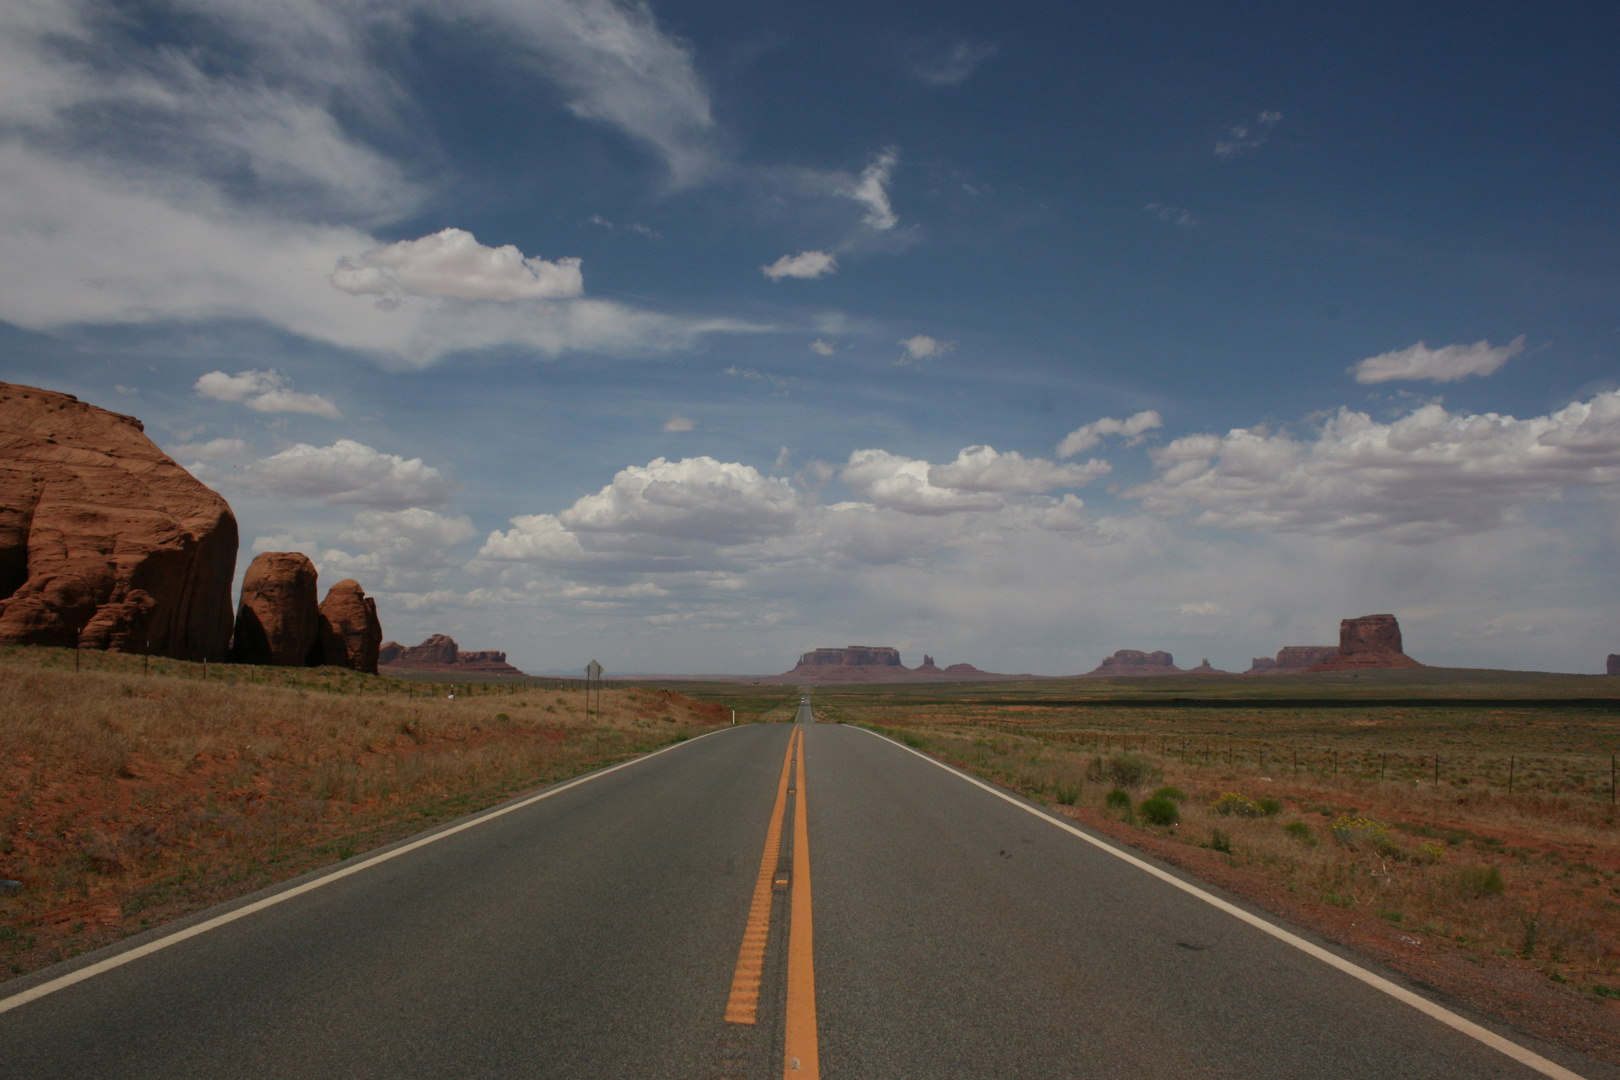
(593, 670)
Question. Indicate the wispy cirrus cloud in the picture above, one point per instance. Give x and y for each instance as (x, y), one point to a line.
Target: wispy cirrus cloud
(1446, 364)
(1249, 135)
(948, 63)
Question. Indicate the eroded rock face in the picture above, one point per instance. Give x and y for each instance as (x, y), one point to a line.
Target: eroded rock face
(1371, 641)
(278, 620)
(105, 542)
(1136, 662)
(350, 633)
(1205, 668)
(1614, 663)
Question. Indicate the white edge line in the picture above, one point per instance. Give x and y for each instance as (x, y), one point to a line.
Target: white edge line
(1399, 993)
(90, 971)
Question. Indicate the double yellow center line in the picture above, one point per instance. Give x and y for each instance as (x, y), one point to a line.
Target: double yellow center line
(801, 1060)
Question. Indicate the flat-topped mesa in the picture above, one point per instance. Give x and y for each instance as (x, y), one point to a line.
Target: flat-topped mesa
(106, 542)
(1136, 662)
(1371, 641)
(853, 656)
(1292, 658)
(439, 653)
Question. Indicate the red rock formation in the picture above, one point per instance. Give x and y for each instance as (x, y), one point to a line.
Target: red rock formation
(439, 653)
(1134, 662)
(1292, 658)
(1206, 669)
(350, 633)
(853, 656)
(1372, 641)
(278, 620)
(1614, 663)
(928, 664)
(105, 542)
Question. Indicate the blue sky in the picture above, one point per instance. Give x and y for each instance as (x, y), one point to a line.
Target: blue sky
(692, 336)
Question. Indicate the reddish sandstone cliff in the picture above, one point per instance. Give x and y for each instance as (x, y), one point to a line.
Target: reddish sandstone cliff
(105, 541)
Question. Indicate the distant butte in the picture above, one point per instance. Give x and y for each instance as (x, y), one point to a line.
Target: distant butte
(1136, 662)
(1293, 658)
(874, 663)
(1372, 641)
(439, 653)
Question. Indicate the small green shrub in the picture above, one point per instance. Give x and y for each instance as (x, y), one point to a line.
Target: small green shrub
(1477, 882)
(1119, 801)
(1301, 832)
(1271, 806)
(1067, 792)
(1159, 811)
(1123, 770)
(1362, 832)
(1174, 793)
(1428, 852)
(1219, 841)
(1232, 804)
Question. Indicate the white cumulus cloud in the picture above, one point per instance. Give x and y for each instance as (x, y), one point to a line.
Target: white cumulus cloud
(680, 423)
(893, 482)
(1088, 435)
(806, 264)
(452, 263)
(1427, 475)
(981, 468)
(265, 391)
(822, 348)
(1447, 364)
(872, 191)
(923, 347)
(349, 473)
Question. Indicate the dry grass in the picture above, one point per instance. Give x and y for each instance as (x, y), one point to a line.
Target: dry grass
(1531, 877)
(126, 800)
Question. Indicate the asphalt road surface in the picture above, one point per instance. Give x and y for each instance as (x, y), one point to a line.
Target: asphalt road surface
(600, 932)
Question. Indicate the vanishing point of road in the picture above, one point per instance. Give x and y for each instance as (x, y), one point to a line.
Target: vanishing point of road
(792, 900)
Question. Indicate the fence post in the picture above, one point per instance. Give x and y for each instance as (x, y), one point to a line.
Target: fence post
(1510, 774)
(1437, 770)
(1383, 760)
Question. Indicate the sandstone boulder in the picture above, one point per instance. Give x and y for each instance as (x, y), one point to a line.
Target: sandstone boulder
(1371, 641)
(350, 633)
(1135, 662)
(278, 620)
(105, 542)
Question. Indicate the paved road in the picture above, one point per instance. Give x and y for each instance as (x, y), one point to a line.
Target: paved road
(596, 933)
